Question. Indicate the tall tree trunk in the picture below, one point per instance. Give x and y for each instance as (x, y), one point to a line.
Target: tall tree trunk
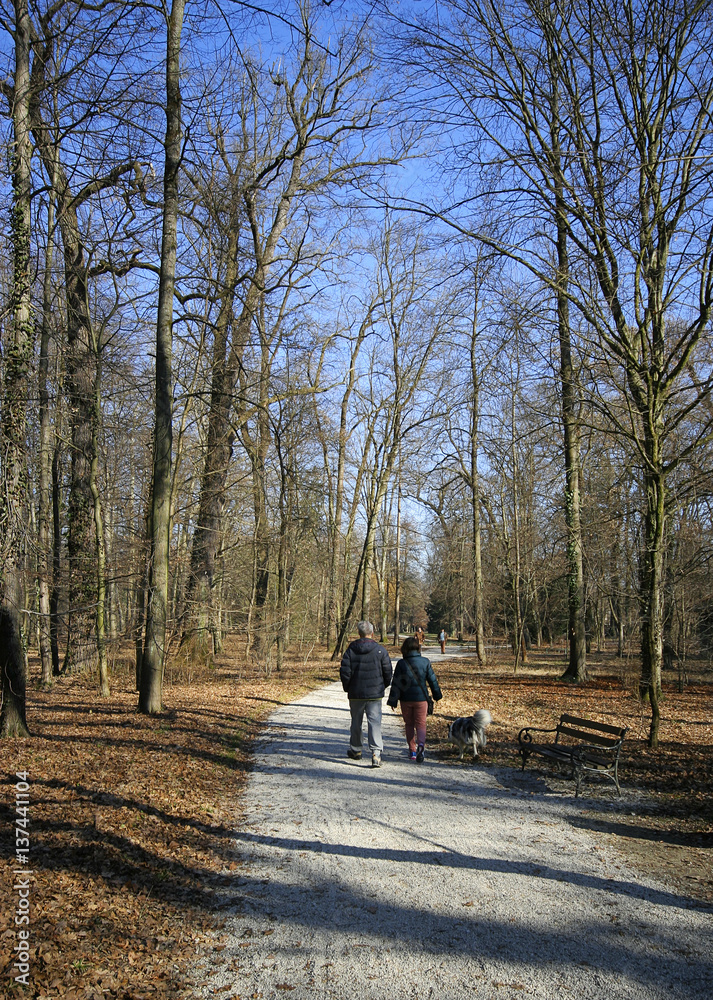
(178, 588)
(257, 445)
(260, 640)
(229, 345)
(13, 421)
(79, 381)
(56, 544)
(321, 631)
(281, 610)
(577, 667)
(397, 583)
(338, 546)
(520, 648)
(99, 532)
(113, 604)
(197, 620)
(651, 590)
(44, 500)
(336, 552)
(367, 549)
(478, 604)
(140, 593)
(381, 566)
(341, 637)
(366, 576)
(376, 495)
(81, 642)
(154, 652)
(217, 601)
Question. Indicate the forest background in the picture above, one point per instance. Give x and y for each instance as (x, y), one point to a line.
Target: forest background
(314, 312)
(322, 312)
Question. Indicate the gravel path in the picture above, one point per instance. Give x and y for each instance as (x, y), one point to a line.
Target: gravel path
(437, 880)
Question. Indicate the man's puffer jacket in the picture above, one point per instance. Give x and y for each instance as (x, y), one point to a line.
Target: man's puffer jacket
(366, 670)
(410, 685)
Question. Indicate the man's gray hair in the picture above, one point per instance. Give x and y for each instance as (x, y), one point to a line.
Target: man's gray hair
(365, 629)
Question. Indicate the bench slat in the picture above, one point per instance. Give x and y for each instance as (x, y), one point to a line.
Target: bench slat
(600, 741)
(602, 727)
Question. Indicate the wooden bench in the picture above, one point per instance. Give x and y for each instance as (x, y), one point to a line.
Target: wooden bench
(580, 743)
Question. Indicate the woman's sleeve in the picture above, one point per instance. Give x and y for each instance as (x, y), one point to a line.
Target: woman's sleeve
(395, 689)
(433, 683)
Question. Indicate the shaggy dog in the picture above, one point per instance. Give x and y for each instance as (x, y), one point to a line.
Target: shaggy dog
(470, 732)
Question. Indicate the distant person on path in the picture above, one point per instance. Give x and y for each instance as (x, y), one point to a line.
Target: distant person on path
(365, 674)
(411, 675)
(420, 635)
(442, 636)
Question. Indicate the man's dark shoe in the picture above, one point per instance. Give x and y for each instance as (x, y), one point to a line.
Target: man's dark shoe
(420, 754)
(354, 754)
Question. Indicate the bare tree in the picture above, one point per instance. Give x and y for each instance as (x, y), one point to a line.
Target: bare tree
(154, 651)
(68, 44)
(524, 137)
(44, 509)
(288, 153)
(17, 354)
(595, 118)
(413, 318)
(335, 467)
(467, 456)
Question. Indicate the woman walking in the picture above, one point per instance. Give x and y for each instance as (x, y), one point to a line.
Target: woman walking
(408, 686)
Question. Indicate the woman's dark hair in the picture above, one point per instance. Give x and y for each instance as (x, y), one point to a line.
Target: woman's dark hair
(409, 645)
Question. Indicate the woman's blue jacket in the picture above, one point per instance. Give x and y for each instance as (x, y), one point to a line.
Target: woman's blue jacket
(410, 685)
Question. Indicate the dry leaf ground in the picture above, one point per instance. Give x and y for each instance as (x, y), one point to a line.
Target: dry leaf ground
(130, 821)
(130, 817)
(670, 828)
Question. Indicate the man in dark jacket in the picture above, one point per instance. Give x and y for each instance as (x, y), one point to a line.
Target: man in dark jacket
(365, 674)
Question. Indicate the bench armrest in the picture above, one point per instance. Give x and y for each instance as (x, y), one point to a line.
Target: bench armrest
(524, 735)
